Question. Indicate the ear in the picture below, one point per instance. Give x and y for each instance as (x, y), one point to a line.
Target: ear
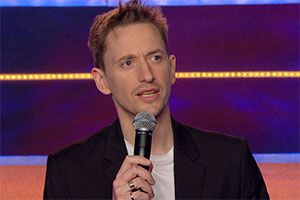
(173, 68)
(100, 80)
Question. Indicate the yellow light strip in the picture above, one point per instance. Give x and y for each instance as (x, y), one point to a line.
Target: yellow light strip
(32, 77)
(240, 74)
(180, 75)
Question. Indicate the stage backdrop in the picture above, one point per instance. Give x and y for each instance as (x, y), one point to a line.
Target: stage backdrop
(39, 117)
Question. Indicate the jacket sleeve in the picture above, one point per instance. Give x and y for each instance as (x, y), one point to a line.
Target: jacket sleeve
(55, 187)
(252, 182)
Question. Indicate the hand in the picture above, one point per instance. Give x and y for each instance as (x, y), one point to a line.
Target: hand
(142, 179)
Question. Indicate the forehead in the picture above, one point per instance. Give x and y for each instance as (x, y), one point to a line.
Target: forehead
(133, 39)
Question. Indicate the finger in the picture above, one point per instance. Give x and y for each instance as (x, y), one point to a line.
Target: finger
(132, 173)
(140, 183)
(137, 171)
(133, 160)
(139, 195)
(150, 167)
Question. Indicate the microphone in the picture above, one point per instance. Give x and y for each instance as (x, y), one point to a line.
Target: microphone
(144, 124)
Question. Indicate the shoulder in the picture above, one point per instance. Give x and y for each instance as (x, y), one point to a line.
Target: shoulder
(211, 137)
(76, 171)
(213, 145)
(81, 150)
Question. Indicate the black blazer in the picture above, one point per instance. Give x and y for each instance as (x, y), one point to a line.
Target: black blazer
(207, 165)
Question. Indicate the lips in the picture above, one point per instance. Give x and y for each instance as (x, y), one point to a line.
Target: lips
(148, 92)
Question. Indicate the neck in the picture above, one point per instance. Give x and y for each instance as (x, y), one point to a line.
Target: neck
(162, 136)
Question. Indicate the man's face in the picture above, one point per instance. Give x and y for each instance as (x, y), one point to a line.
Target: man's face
(138, 71)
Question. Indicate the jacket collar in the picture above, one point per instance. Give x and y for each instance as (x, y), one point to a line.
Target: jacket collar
(188, 170)
(115, 151)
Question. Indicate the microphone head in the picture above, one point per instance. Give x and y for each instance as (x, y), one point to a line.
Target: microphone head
(144, 121)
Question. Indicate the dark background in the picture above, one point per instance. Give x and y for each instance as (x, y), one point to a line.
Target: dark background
(39, 117)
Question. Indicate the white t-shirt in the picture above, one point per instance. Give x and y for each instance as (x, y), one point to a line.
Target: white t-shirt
(163, 174)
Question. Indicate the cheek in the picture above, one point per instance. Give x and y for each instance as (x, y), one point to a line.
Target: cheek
(166, 76)
(120, 86)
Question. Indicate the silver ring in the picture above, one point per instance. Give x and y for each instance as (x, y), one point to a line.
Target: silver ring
(131, 196)
(131, 183)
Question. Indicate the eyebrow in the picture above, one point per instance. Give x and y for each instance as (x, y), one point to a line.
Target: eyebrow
(158, 50)
(125, 57)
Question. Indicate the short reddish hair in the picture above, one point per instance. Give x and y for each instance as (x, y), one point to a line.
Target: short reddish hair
(134, 11)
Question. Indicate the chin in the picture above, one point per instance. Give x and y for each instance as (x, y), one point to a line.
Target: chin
(152, 111)
(155, 111)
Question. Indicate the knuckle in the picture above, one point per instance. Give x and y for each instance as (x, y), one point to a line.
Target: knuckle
(115, 183)
(148, 176)
(117, 195)
(141, 195)
(137, 180)
(127, 158)
(117, 191)
(134, 169)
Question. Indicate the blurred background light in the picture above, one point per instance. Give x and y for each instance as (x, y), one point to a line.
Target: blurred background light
(81, 76)
(75, 3)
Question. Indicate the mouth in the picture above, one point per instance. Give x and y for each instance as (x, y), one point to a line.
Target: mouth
(148, 93)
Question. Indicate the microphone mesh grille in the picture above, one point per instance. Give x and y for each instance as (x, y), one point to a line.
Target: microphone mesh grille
(144, 121)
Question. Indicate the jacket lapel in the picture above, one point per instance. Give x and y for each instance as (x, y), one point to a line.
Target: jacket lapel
(115, 152)
(188, 169)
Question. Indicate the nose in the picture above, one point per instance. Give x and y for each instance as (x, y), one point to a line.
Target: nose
(145, 72)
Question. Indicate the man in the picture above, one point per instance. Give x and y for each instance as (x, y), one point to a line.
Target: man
(133, 65)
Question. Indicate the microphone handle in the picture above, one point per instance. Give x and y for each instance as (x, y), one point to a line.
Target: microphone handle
(142, 145)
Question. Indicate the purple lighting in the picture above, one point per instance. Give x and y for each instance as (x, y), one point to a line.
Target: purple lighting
(80, 3)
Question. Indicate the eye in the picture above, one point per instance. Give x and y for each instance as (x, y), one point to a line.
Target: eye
(156, 58)
(127, 63)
